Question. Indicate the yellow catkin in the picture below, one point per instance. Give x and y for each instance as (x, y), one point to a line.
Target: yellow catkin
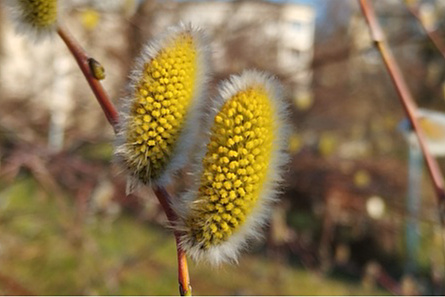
(161, 101)
(234, 168)
(40, 14)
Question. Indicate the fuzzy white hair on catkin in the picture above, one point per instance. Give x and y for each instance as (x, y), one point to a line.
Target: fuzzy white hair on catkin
(23, 27)
(229, 250)
(189, 133)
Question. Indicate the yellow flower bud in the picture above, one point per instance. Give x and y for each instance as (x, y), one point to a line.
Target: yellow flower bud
(37, 17)
(235, 181)
(160, 115)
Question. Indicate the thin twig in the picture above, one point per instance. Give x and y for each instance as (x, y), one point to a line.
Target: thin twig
(183, 274)
(407, 102)
(432, 35)
(85, 64)
(12, 286)
(84, 61)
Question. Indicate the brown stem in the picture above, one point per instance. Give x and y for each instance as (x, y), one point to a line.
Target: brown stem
(86, 64)
(12, 286)
(432, 35)
(185, 289)
(407, 101)
(83, 60)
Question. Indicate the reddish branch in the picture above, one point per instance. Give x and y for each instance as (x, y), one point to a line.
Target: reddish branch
(183, 274)
(83, 60)
(432, 35)
(13, 287)
(406, 99)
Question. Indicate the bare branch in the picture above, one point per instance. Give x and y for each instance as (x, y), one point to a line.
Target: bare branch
(432, 35)
(183, 274)
(84, 62)
(407, 101)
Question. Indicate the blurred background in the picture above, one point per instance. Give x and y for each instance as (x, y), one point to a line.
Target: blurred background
(357, 214)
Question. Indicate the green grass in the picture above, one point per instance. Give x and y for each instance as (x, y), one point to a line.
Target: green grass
(45, 250)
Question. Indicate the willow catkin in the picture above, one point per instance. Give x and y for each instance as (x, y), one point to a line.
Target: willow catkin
(160, 115)
(239, 172)
(36, 18)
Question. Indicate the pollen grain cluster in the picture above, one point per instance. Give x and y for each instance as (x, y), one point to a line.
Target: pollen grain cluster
(234, 167)
(39, 13)
(161, 101)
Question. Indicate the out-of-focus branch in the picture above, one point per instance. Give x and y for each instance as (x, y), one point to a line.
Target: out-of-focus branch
(432, 35)
(183, 274)
(13, 287)
(333, 56)
(87, 65)
(406, 100)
